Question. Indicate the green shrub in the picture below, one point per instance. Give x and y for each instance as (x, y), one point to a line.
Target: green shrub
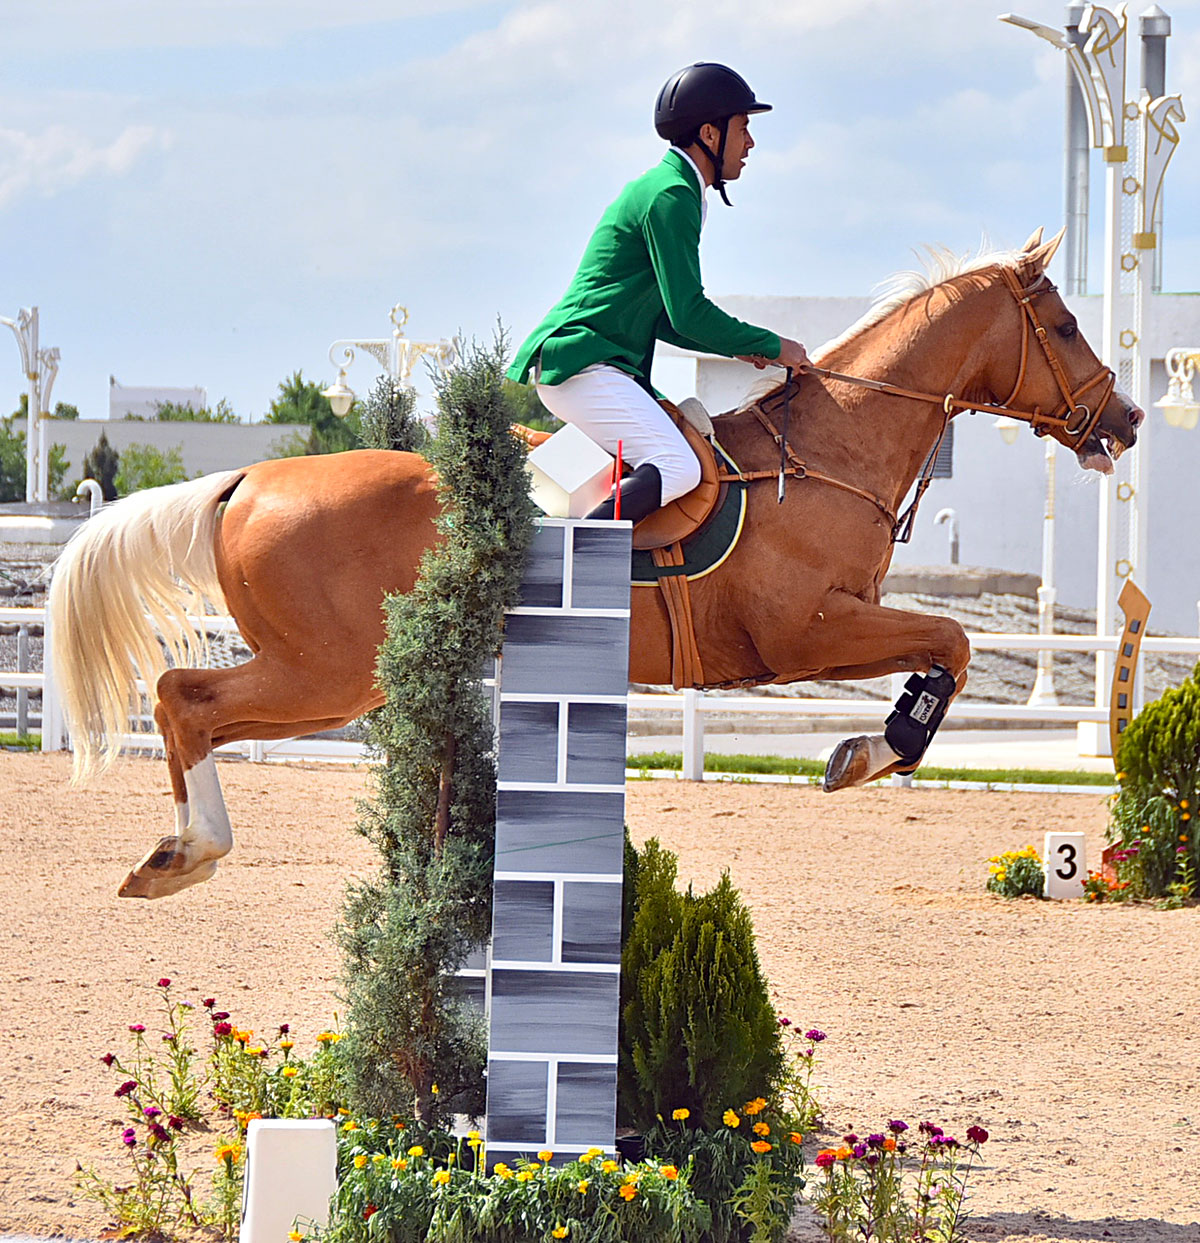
(698, 1030)
(1151, 818)
(389, 420)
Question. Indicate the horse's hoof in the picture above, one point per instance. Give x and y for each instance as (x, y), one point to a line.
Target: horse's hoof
(165, 870)
(849, 765)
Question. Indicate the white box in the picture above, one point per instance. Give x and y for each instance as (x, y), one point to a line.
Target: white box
(291, 1172)
(1064, 858)
(571, 474)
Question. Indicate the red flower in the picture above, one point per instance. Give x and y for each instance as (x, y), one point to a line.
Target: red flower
(109, 1058)
(369, 1212)
(126, 1087)
(826, 1159)
(284, 1028)
(977, 1135)
(209, 1002)
(223, 1029)
(164, 983)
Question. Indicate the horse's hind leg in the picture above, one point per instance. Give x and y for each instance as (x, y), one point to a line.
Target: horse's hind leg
(201, 708)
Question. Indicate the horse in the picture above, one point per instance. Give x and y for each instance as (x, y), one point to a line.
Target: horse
(301, 552)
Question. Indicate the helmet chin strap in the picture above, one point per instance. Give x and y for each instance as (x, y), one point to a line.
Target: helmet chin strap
(718, 160)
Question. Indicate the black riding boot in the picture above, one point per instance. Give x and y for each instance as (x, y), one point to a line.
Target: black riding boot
(641, 495)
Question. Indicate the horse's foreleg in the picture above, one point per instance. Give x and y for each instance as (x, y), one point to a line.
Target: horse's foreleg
(855, 639)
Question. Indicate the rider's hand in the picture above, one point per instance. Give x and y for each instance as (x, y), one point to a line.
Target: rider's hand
(755, 360)
(792, 354)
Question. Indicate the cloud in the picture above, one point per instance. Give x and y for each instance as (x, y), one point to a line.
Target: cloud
(71, 25)
(59, 158)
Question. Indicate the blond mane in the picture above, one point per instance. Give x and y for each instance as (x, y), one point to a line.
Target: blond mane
(938, 264)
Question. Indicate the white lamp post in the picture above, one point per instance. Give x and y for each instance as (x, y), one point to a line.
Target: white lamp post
(40, 367)
(1044, 694)
(397, 356)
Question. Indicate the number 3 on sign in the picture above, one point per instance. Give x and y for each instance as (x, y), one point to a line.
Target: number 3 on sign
(1065, 861)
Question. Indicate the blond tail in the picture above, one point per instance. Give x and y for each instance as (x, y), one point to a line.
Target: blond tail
(127, 576)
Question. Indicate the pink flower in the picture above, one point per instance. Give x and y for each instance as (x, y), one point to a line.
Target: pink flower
(137, 1028)
(126, 1087)
(164, 983)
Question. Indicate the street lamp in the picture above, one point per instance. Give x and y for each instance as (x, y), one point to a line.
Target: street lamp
(1180, 407)
(40, 367)
(1043, 694)
(397, 356)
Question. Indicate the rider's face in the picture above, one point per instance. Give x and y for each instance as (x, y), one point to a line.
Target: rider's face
(737, 146)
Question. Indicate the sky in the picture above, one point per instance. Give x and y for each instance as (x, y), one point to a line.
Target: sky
(211, 192)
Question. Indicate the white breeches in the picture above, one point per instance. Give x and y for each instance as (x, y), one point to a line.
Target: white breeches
(608, 405)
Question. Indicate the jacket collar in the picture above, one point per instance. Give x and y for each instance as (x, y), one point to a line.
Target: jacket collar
(686, 166)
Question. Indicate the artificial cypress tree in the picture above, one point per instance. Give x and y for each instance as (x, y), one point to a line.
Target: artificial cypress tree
(389, 418)
(406, 931)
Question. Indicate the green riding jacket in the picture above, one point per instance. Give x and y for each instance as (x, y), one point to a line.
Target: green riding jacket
(638, 282)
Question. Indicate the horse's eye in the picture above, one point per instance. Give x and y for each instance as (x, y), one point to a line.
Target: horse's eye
(1067, 330)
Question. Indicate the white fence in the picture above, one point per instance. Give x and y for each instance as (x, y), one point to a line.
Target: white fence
(692, 706)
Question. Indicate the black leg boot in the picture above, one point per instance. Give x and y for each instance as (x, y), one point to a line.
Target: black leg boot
(641, 495)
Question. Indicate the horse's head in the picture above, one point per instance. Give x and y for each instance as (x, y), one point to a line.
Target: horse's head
(1071, 392)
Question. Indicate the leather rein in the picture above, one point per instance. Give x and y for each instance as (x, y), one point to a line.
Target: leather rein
(1071, 422)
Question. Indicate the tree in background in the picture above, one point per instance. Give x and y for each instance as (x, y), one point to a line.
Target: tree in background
(62, 409)
(145, 466)
(529, 408)
(301, 401)
(172, 412)
(389, 418)
(102, 465)
(12, 463)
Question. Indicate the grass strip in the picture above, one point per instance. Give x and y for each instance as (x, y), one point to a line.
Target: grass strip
(13, 741)
(785, 766)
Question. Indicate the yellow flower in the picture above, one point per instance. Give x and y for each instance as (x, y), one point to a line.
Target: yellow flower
(289, 1072)
(609, 1167)
(450, 1158)
(433, 1088)
(350, 1126)
(796, 1137)
(378, 1157)
(844, 1153)
(342, 1110)
(761, 1128)
(1183, 803)
(441, 1178)
(628, 1191)
(502, 1170)
(295, 1236)
(756, 1106)
(327, 1038)
(474, 1143)
(545, 1154)
(473, 1135)
(399, 1163)
(560, 1231)
(593, 1152)
(532, 1165)
(582, 1185)
(760, 1146)
(285, 1045)
(523, 1176)
(681, 1115)
(229, 1152)
(669, 1171)
(360, 1160)
(416, 1151)
(731, 1119)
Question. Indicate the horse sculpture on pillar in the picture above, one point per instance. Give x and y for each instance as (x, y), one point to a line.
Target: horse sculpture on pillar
(302, 550)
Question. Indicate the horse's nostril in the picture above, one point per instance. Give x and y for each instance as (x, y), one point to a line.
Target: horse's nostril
(1136, 416)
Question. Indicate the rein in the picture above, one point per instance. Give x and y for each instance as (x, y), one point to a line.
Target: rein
(1071, 422)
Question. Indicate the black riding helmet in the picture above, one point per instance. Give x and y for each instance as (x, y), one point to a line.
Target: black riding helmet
(704, 93)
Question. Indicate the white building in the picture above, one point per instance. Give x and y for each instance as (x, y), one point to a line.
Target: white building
(125, 401)
(998, 490)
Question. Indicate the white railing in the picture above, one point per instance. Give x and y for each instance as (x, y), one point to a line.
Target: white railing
(692, 706)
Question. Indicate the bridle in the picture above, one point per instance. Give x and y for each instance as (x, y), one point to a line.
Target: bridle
(1070, 423)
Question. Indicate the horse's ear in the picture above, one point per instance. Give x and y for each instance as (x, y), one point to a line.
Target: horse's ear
(1035, 239)
(1038, 254)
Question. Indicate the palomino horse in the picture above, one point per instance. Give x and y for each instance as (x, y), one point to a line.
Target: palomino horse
(302, 550)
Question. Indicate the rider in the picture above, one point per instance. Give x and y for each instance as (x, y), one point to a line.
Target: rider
(638, 281)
